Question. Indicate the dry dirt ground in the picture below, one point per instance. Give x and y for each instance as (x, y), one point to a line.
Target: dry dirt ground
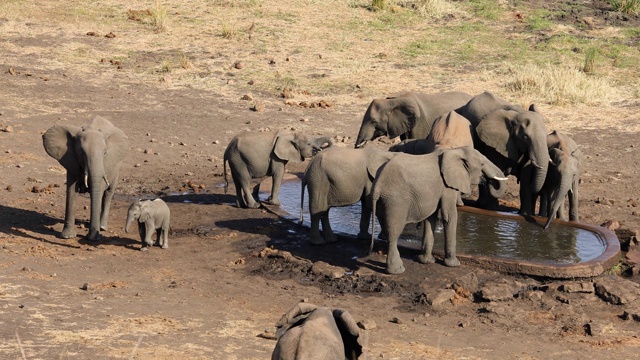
(215, 290)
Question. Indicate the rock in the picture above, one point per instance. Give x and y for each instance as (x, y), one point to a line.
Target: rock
(324, 269)
(468, 282)
(632, 313)
(9, 188)
(367, 324)
(616, 290)
(440, 298)
(85, 287)
(248, 97)
(8, 129)
(268, 335)
(148, 151)
(396, 320)
(583, 287)
(258, 107)
(110, 35)
(612, 225)
(496, 292)
(598, 327)
(304, 119)
(633, 256)
(238, 65)
(251, 82)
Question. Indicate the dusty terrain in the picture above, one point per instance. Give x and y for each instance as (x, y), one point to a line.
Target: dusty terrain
(216, 289)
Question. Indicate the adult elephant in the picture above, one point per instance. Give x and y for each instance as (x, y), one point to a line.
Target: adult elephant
(92, 155)
(254, 155)
(311, 332)
(339, 177)
(412, 188)
(409, 116)
(562, 178)
(513, 138)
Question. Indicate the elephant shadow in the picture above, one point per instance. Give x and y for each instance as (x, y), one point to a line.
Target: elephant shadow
(288, 236)
(30, 224)
(200, 198)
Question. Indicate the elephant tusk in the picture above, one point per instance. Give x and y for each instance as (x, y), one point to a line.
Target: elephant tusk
(86, 180)
(361, 144)
(105, 180)
(536, 165)
(500, 178)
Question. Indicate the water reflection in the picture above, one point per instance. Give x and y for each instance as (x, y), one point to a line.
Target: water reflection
(480, 235)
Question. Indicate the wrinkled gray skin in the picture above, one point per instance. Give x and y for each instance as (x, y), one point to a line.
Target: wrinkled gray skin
(412, 188)
(319, 333)
(562, 178)
(255, 155)
(152, 216)
(339, 177)
(409, 116)
(512, 138)
(92, 155)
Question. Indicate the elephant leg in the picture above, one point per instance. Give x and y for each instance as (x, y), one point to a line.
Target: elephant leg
(394, 262)
(314, 233)
(164, 242)
(365, 219)
(573, 201)
(526, 199)
(428, 228)
(450, 221)
(560, 214)
(239, 198)
(69, 230)
(278, 174)
(244, 181)
(143, 235)
(329, 236)
(149, 230)
(544, 204)
(106, 206)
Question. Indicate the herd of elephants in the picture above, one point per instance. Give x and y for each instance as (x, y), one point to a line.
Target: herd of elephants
(451, 141)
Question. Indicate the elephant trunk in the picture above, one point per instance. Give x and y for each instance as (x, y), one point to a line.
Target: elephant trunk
(97, 184)
(367, 132)
(130, 218)
(557, 198)
(495, 180)
(539, 156)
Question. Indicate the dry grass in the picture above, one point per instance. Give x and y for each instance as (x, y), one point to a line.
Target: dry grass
(558, 85)
(626, 6)
(159, 17)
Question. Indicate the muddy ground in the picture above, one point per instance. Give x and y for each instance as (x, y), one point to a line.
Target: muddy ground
(216, 289)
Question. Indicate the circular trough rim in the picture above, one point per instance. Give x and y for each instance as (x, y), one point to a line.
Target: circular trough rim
(594, 267)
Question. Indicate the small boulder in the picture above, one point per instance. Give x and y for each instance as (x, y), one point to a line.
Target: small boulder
(616, 290)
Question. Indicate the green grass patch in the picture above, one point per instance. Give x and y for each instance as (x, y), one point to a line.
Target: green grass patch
(626, 6)
(486, 9)
(539, 20)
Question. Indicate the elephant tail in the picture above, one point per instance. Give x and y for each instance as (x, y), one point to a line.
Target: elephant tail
(374, 199)
(224, 172)
(304, 184)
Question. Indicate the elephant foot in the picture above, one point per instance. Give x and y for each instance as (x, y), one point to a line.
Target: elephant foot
(165, 246)
(330, 238)
(426, 259)
(394, 270)
(271, 201)
(317, 240)
(254, 205)
(144, 248)
(452, 261)
(103, 227)
(383, 236)
(68, 233)
(364, 236)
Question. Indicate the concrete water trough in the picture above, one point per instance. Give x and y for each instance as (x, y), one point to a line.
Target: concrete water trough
(500, 241)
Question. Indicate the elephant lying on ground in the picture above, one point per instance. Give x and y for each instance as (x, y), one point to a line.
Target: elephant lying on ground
(92, 155)
(409, 116)
(339, 177)
(255, 155)
(412, 188)
(153, 216)
(562, 178)
(514, 139)
(310, 332)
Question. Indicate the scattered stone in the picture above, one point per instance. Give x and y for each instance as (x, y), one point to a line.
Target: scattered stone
(268, 335)
(153, 140)
(92, 33)
(11, 71)
(468, 282)
(440, 298)
(304, 119)
(251, 82)
(632, 313)
(248, 97)
(496, 292)
(633, 256)
(26, 269)
(583, 287)
(612, 225)
(8, 129)
(136, 165)
(287, 94)
(396, 320)
(110, 35)
(598, 327)
(148, 151)
(325, 269)
(182, 143)
(258, 107)
(616, 290)
(367, 324)
(216, 142)
(238, 65)
(231, 82)
(9, 188)
(173, 284)
(85, 287)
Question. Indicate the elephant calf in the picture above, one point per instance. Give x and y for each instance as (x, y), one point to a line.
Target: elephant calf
(153, 216)
(319, 333)
(255, 155)
(562, 178)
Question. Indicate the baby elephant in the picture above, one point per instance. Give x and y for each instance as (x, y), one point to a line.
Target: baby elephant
(319, 333)
(152, 216)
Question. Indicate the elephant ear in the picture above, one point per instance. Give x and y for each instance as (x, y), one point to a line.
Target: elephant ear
(58, 142)
(402, 116)
(116, 140)
(534, 108)
(294, 317)
(455, 170)
(494, 131)
(376, 159)
(286, 148)
(145, 211)
(349, 331)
